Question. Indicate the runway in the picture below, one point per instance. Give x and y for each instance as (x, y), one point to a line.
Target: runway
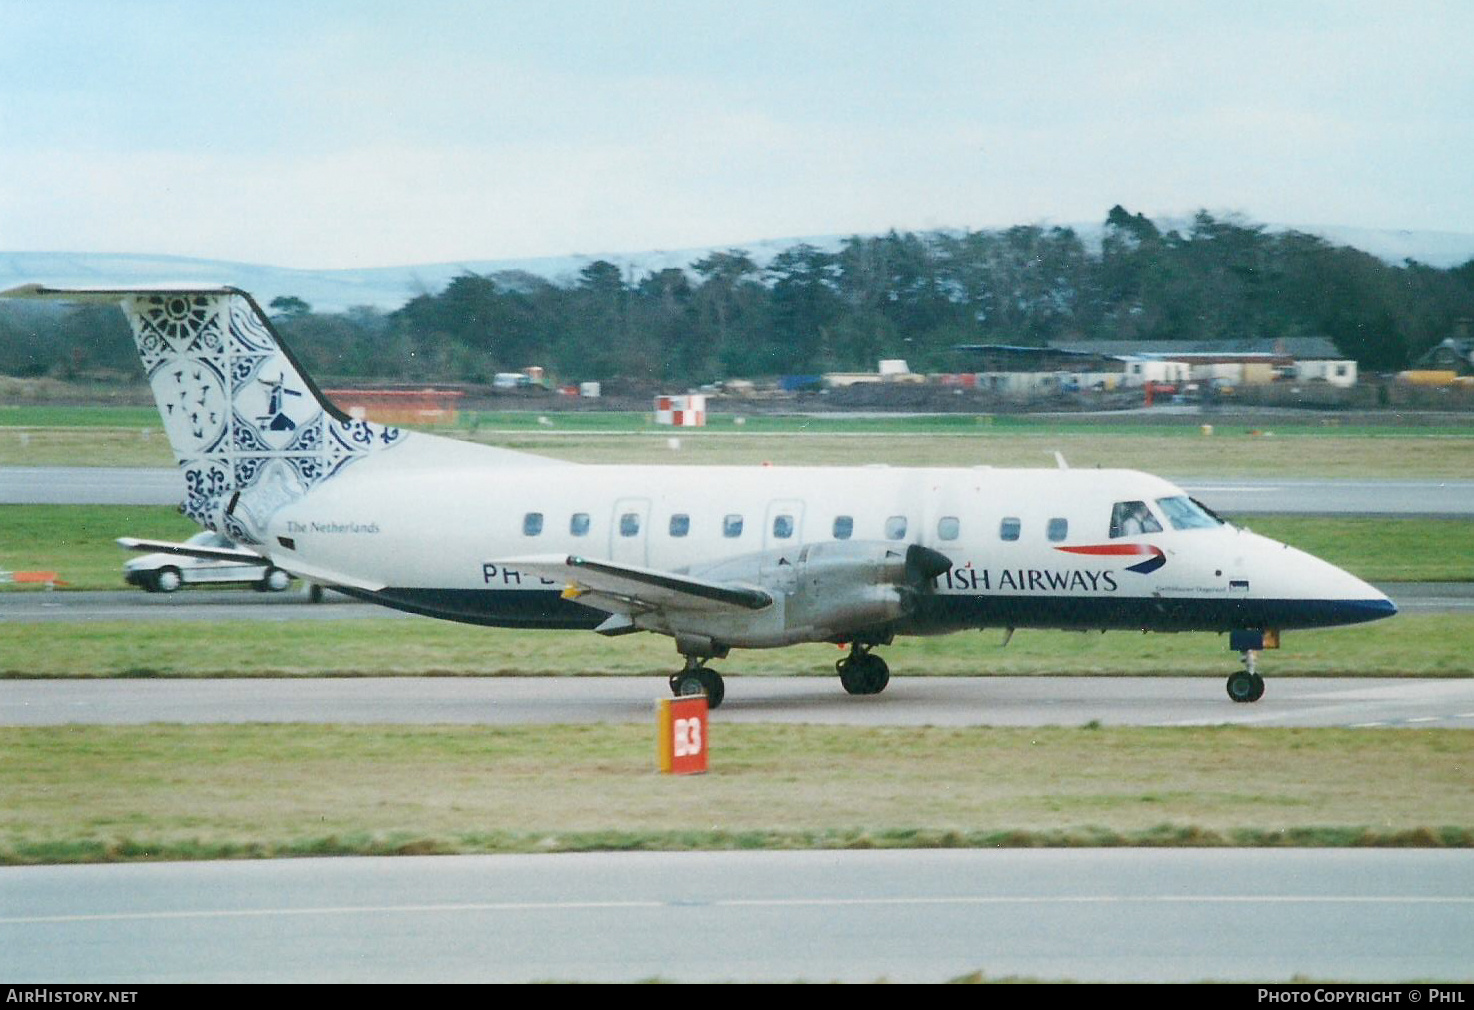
(909, 701)
(1233, 497)
(905, 916)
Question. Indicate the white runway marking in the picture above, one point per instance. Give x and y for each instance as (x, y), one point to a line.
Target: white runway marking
(544, 906)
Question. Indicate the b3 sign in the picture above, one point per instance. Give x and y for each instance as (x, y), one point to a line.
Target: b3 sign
(682, 728)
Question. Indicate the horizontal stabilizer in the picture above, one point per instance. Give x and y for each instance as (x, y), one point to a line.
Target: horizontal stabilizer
(112, 295)
(189, 550)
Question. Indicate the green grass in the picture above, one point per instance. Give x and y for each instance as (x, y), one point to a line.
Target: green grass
(75, 793)
(77, 540)
(1423, 645)
(81, 416)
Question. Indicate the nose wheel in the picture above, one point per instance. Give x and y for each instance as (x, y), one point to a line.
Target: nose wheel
(863, 672)
(697, 679)
(1246, 685)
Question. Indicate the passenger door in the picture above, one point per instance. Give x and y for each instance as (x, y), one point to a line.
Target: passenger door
(785, 516)
(629, 532)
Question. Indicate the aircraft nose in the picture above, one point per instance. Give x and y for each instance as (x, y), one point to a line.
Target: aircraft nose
(1360, 611)
(1359, 601)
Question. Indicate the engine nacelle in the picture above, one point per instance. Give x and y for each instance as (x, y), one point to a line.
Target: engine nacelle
(821, 592)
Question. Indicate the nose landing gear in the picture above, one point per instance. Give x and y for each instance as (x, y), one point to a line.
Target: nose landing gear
(1246, 685)
(863, 672)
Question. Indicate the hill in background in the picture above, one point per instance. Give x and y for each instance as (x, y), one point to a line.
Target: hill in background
(389, 288)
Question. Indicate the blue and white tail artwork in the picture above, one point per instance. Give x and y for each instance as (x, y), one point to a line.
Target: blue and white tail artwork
(249, 430)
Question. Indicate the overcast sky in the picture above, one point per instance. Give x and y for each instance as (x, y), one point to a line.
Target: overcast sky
(334, 134)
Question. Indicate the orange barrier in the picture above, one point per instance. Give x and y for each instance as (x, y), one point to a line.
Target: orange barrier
(48, 579)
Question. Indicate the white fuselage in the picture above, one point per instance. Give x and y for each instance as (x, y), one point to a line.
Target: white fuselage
(1029, 548)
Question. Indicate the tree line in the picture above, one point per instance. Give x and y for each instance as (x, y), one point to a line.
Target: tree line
(809, 310)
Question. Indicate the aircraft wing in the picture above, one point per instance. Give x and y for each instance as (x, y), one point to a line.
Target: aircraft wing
(630, 589)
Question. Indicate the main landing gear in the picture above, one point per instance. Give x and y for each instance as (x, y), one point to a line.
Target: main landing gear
(1246, 685)
(863, 672)
(697, 679)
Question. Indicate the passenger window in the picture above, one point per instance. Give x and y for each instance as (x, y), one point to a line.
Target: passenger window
(1057, 529)
(1009, 529)
(579, 524)
(629, 524)
(844, 527)
(532, 524)
(680, 525)
(1133, 518)
(782, 527)
(732, 527)
(948, 528)
(895, 527)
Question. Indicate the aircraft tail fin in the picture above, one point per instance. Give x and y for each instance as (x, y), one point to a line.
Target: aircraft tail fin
(249, 428)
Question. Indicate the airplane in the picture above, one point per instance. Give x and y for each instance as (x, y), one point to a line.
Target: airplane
(715, 557)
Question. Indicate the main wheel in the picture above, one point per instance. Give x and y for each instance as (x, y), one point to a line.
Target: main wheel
(274, 581)
(878, 674)
(1244, 686)
(863, 673)
(166, 580)
(691, 683)
(716, 688)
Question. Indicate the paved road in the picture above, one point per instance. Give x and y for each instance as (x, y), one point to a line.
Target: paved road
(40, 606)
(1236, 498)
(1108, 915)
(909, 701)
(34, 606)
(152, 486)
(87, 485)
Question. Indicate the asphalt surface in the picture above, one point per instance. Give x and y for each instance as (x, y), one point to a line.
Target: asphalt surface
(155, 486)
(923, 916)
(908, 701)
(37, 605)
(89, 485)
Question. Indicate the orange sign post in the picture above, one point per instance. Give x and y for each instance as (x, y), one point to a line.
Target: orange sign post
(682, 735)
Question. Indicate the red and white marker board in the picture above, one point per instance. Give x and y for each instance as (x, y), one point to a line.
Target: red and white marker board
(682, 735)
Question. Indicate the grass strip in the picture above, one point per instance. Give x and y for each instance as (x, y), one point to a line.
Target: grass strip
(79, 794)
(1414, 645)
(1234, 451)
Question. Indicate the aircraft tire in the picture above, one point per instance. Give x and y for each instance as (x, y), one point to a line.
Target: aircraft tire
(878, 675)
(716, 688)
(1242, 688)
(166, 580)
(864, 674)
(702, 681)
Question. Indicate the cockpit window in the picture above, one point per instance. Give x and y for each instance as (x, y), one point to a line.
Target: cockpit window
(1132, 518)
(1185, 514)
